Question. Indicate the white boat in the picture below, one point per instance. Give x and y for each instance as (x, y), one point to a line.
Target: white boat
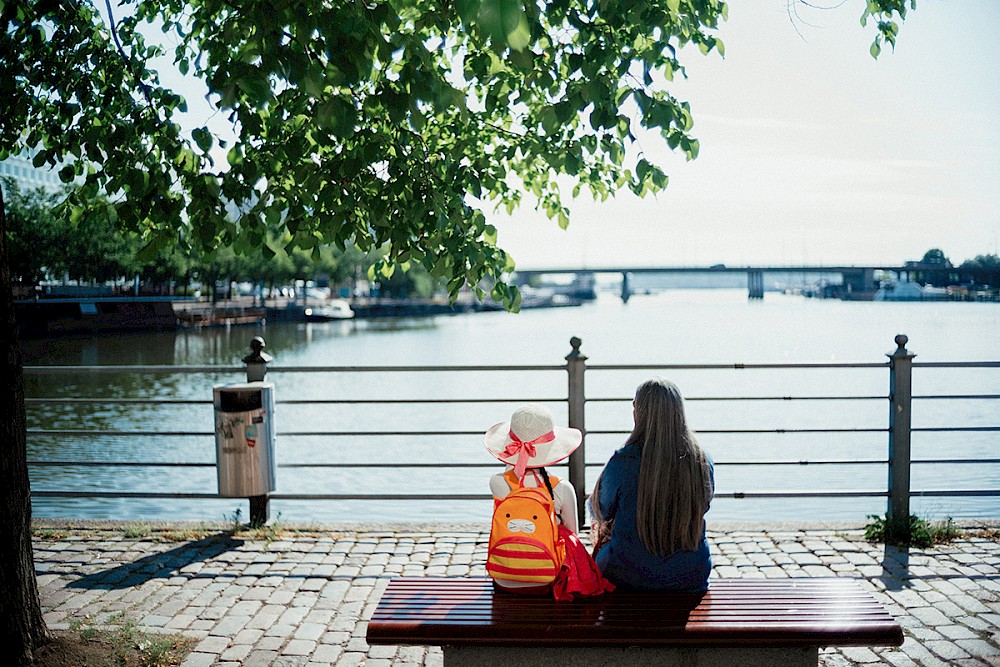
(909, 291)
(337, 309)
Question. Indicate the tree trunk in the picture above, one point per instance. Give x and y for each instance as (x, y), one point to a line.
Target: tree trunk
(22, 627)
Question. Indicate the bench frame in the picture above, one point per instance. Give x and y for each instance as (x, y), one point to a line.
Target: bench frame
(746, 622)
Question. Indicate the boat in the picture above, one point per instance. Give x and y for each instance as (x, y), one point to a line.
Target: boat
(910, 291)
(337, 309)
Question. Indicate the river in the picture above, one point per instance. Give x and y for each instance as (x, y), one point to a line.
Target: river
(680, 326)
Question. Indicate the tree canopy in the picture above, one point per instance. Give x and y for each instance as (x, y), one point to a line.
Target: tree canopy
(377, 124)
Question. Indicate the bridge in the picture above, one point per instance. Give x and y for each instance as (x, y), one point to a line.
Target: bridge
(856, 280)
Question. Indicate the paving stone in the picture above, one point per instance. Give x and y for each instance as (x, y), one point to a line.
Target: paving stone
(302, 647)
(946, 650)
(199, 660)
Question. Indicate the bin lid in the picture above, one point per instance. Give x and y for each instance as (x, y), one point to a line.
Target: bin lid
(241, 397)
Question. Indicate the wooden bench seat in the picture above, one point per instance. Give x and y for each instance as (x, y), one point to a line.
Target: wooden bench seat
(737, 622)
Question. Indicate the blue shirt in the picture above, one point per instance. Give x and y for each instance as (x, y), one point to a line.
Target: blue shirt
(624, 560)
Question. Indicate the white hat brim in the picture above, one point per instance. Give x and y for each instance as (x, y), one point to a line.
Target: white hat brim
(565, 443)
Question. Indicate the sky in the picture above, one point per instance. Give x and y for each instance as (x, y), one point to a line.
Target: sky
(812, 152)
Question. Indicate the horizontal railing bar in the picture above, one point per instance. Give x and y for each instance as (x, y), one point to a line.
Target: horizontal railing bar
(956, 364)
(487, 399)
(762, 430)
(529, 399)
(45, 369)
(42, 370)
(967, 493)
(952, 429)
(341, 434)
(296, 434)
(291, 401)
(734, 366)
(118, 464)
(962, 396)
(626, 399)
(394, 401)
(444, 464)
(122, 401)
(169, 370)
(414, 369)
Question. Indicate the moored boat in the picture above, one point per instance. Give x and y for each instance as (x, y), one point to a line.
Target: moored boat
(337, 309)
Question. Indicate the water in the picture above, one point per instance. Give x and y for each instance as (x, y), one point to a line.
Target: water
(676, 327)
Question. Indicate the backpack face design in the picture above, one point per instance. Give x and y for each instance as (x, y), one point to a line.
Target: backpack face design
(524, 538)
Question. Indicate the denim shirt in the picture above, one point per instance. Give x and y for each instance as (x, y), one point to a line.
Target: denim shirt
(624, 559)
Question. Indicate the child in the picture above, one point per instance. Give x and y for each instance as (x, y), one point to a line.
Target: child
(527, 443)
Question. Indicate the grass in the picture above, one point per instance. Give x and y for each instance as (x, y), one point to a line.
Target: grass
(913, 532)
(118, 643)
(138, 531)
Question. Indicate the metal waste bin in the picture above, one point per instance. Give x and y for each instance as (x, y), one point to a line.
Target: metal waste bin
(244, 439)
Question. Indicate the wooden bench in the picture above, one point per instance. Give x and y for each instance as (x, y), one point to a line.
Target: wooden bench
(737, 622)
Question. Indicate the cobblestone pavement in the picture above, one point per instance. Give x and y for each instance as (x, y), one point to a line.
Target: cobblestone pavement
(302, 597)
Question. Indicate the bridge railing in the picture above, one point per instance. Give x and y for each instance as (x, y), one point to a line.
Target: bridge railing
(579, 404)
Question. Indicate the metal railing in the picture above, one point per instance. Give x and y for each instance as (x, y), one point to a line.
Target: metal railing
(898, 429)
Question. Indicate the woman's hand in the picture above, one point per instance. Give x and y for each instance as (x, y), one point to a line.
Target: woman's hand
(600, 533)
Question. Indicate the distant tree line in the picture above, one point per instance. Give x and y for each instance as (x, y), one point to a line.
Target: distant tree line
(49, 244)
(980, 270)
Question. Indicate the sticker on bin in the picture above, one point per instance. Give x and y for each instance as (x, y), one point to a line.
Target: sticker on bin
(251, 435)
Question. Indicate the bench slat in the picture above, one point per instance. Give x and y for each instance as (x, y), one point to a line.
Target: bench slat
(734, 612)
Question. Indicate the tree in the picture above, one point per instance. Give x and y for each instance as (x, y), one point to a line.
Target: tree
(983, 269)
(31, 233)
(383, 125)
(935, 257)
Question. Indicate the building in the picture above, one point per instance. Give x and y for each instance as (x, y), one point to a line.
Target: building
(27, 176)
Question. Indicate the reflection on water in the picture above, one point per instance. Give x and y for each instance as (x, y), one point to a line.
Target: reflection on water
(719, 327)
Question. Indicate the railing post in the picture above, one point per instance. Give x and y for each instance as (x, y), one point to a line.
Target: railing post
(576, 366)
(256, 363)
(900, 401)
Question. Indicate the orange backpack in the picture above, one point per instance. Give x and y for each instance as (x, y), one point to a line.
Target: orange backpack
(524, 540)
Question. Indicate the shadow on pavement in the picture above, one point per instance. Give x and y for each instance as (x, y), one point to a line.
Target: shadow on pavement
(158, 566)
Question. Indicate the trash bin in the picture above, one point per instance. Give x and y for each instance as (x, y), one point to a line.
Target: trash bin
(244, 439)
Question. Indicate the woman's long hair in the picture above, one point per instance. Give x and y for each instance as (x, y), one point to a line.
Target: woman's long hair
(674, 486)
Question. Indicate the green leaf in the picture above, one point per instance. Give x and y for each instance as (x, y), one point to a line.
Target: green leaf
(875, 50)
(203, 138)
(468, 10)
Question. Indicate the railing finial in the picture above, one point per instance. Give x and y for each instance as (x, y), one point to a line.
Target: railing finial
(257, 360)
(575, 342)
(901, 341)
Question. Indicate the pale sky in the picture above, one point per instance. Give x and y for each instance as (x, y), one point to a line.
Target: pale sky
(812, 152)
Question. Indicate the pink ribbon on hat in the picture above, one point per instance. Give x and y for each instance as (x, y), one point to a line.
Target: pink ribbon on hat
(524, 450)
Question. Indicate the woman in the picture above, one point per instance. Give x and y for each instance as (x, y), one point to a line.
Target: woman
(650, 500)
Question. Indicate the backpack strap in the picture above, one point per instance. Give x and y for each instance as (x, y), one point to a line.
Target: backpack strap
(514, 482)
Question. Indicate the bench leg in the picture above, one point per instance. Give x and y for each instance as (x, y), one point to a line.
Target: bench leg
(634, 656)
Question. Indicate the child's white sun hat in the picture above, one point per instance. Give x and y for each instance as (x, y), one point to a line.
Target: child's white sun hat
(531, 439)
